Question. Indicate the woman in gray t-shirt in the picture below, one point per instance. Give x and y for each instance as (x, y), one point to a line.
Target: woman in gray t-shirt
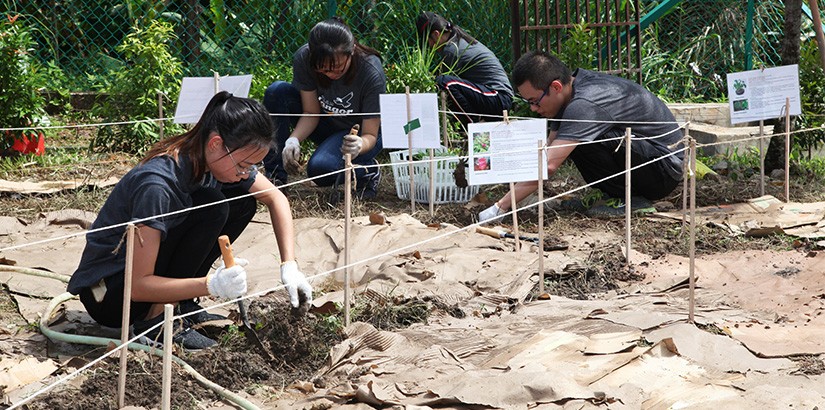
(332, 74)
(471, 74)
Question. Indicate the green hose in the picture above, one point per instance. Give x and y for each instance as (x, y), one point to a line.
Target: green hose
(103, 341)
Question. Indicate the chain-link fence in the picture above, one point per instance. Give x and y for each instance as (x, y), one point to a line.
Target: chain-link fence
(233, 37)
(697, 42)
(691, 46)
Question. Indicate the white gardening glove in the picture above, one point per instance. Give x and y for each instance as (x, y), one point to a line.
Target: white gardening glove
(228, 283)
(352, 145)
(291, 153)
(491, 214)
(296, 283)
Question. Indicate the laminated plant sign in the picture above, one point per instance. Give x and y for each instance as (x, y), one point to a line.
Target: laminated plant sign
(757, 95)
(422, 123)
(505, 152)
(195, 93)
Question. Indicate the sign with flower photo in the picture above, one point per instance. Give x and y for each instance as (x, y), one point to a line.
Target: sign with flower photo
(505, 152)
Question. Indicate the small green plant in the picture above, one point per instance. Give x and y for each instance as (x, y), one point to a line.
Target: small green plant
(133, 93)
(416, 69)
(231, 337)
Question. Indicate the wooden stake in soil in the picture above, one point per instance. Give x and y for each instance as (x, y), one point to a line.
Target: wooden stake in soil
(347, 222)
(513, 204)
(761, 158)
(692, 252)
(410, 153)
(127, 305)
(432, 182)
(686, 175)
(444, 137)
(542, 165)
(787, 149)
(168, 314)
(627, 194)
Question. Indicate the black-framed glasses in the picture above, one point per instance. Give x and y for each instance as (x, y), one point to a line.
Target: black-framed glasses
(338, 68)
(239, 170)
(537, 101)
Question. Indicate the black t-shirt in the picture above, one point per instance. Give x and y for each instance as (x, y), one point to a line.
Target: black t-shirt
(160, 186)
(614, 104)
(476, 63)
(361, 95)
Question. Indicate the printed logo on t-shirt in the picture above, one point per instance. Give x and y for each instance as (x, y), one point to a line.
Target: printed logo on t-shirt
(339, 105)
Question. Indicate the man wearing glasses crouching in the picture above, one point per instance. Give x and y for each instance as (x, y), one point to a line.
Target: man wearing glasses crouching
(589, 114)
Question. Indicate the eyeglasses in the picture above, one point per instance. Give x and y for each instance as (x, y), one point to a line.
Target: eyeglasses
(241, 171)
(537, 101)
(338, 68)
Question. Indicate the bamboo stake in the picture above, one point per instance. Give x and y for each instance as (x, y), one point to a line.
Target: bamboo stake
(692, 252)
(686, 175)
(347, 223)
(444, 137)
(627, 194)
(410, 153)
(513, 204)
(542, 165)
(513, 207)
(787, 149)
(432, 182)
(168, 314)
(761, 158)
(127, 305)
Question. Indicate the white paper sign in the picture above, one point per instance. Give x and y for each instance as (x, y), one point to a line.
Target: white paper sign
(760, 94)
(423, 107)
(501, 153)
(195, 93)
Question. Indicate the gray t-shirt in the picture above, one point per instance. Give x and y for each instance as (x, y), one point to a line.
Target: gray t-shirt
(622, 103)
(159, 186)
(476, 63)
(358, 96)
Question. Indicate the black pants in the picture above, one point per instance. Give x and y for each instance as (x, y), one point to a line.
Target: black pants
(187, 252)
(469, 98)
(597, 161)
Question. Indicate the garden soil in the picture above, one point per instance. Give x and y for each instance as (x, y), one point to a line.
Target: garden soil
(444, 317)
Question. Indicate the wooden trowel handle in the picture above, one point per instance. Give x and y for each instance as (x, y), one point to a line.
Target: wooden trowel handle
(226, 251)
(489, 232)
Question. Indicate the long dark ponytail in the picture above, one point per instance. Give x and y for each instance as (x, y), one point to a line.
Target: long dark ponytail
(239, 121)
(427, 22)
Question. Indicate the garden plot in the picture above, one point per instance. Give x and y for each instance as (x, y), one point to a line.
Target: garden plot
(488, 340)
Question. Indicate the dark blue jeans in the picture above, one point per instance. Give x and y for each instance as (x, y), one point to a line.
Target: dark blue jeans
(283, 98)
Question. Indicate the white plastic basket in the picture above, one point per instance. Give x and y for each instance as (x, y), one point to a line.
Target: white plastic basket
(445, 189)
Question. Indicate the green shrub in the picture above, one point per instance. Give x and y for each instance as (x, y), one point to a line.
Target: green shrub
(265, 74)
(21, 104)
(812, 92)
(133, 92)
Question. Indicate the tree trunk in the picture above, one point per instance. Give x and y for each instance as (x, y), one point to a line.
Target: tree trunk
(775, 156)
